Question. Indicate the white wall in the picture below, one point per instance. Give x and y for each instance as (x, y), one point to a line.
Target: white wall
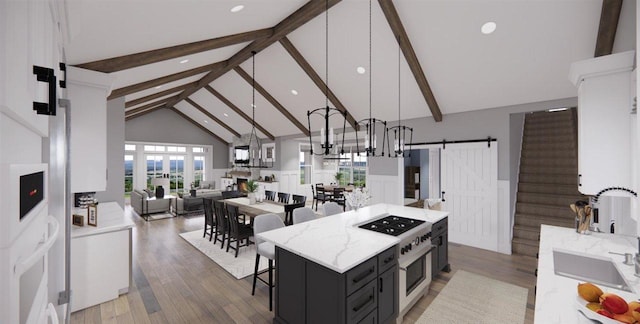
(115, 153)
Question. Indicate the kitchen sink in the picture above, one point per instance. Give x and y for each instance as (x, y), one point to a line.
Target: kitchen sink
(591, 268)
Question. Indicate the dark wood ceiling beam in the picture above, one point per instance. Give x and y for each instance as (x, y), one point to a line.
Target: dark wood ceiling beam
(609, 17)
(214, 118)
(204, 129)
(165, 79)
(138, 59)
(142, 113)
(302, 62)
(310, 10)
(147, 106)
(395, 23)
(238, 111)
(150, 97)
(272, 100)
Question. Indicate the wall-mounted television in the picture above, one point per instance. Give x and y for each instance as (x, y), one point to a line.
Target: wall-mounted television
(241, 154)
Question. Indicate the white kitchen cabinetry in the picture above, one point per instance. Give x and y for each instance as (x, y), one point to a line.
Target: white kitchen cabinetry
(88, 91)
(604, 122)
(272, 186)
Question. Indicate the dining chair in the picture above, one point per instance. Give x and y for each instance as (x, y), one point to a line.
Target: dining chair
(269, 195)
(338, 197)
(299, 198)
(331, 208)
(304, 214)
(222, 225)
(288, 212)
(321, 195)
(313, 195)
(283, 197)
(263, 223)
(238, 231)
(209, 218)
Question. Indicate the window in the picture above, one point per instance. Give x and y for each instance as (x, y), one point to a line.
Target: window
(128, 173)
(198, 169)
(154, 148)
(176, 173)
(359, 170)
(176, 149)
(198, 150)
(305, 164)
(129, 147)
(344, 169)
(154, 168)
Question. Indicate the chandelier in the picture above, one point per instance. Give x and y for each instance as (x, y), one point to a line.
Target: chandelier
(400, 131)
(371, 125)
(328, 145)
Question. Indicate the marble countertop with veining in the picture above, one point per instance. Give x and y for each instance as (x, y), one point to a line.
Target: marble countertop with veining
(556, 296)
(110, 218)
(337, 243)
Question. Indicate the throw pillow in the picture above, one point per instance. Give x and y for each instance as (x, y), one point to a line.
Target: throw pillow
(205, 185)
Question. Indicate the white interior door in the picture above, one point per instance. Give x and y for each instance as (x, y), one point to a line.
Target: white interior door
(470, 191)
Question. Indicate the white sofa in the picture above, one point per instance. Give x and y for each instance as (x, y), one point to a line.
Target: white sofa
(143, 206)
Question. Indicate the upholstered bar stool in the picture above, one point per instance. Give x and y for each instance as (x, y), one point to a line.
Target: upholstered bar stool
(263, 223)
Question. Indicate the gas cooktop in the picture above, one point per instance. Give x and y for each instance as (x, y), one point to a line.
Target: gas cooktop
(392, 225)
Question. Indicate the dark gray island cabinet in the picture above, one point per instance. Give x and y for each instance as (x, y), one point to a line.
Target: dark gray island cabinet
(440, 253)
(307, 292)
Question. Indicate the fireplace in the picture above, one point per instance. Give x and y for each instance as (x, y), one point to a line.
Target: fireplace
(242, 185)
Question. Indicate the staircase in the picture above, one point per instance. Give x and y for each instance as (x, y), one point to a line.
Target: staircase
(548, 177)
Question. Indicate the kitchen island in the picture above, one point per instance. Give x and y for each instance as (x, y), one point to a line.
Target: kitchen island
(556, 296)
(326, 267)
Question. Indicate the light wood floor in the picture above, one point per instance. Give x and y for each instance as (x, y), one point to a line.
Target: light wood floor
(175, 283)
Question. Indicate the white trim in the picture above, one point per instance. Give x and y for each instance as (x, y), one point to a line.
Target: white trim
(505, 219)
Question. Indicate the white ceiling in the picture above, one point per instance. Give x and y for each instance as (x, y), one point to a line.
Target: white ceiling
(525, 60)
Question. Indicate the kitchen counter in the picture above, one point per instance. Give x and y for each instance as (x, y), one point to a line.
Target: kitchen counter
(556, 295)
(337, 243)
(110, 218)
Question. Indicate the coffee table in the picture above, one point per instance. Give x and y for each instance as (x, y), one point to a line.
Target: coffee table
(193, 204)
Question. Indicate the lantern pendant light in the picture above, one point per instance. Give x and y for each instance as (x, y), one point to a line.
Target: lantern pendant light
(400, 131)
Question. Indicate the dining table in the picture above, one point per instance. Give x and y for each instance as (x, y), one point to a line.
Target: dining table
(329, 188)
(258, 208)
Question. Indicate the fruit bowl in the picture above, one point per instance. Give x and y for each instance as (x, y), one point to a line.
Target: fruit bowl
(581, 305)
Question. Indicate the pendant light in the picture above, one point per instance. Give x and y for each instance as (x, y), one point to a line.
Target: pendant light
(328, 145)
(255, 145)
(400, 131)
(371, 125)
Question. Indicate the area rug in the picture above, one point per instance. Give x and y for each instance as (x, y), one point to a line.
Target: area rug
(239, 267)
(160, 216)
(472, 298)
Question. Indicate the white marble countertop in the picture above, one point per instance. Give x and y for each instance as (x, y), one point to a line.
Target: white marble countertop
(337, 243)
(110, 218)
(556, 295)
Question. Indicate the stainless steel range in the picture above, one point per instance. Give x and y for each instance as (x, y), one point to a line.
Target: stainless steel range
(414, 258)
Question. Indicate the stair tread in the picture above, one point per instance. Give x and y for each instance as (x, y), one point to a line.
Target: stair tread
(534, 243)
(554, 206)
(526, 228)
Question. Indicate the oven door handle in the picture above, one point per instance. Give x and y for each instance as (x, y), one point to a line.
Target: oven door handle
(422, 256)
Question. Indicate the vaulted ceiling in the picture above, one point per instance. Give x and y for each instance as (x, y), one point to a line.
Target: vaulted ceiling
(446, 64)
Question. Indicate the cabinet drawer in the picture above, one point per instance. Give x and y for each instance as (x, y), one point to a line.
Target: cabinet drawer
(387, 259)
(439, 227)
(362, 302)
(369, 319)
(361, 275)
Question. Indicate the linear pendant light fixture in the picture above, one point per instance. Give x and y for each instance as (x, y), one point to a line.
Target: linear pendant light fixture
(400, 131)
(255, 145)
(329, 149)
(371, 125)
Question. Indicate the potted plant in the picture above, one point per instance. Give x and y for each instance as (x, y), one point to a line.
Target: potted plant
(338, 177)
(252, 187)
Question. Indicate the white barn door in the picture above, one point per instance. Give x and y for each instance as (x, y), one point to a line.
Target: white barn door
(469, 174)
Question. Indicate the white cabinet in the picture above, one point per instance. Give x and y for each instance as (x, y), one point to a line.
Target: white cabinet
(88, 91)
(604, 122)
(225, 182)
(272, 186)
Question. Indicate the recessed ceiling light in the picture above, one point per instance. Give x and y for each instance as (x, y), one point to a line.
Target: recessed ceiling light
(206, 121)
(226, 115)
(237, 8)
(184, 61)
(157, 87)
(253, 105)
(488, 27)
(294, 92)
(557, 109)
(361, 70)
